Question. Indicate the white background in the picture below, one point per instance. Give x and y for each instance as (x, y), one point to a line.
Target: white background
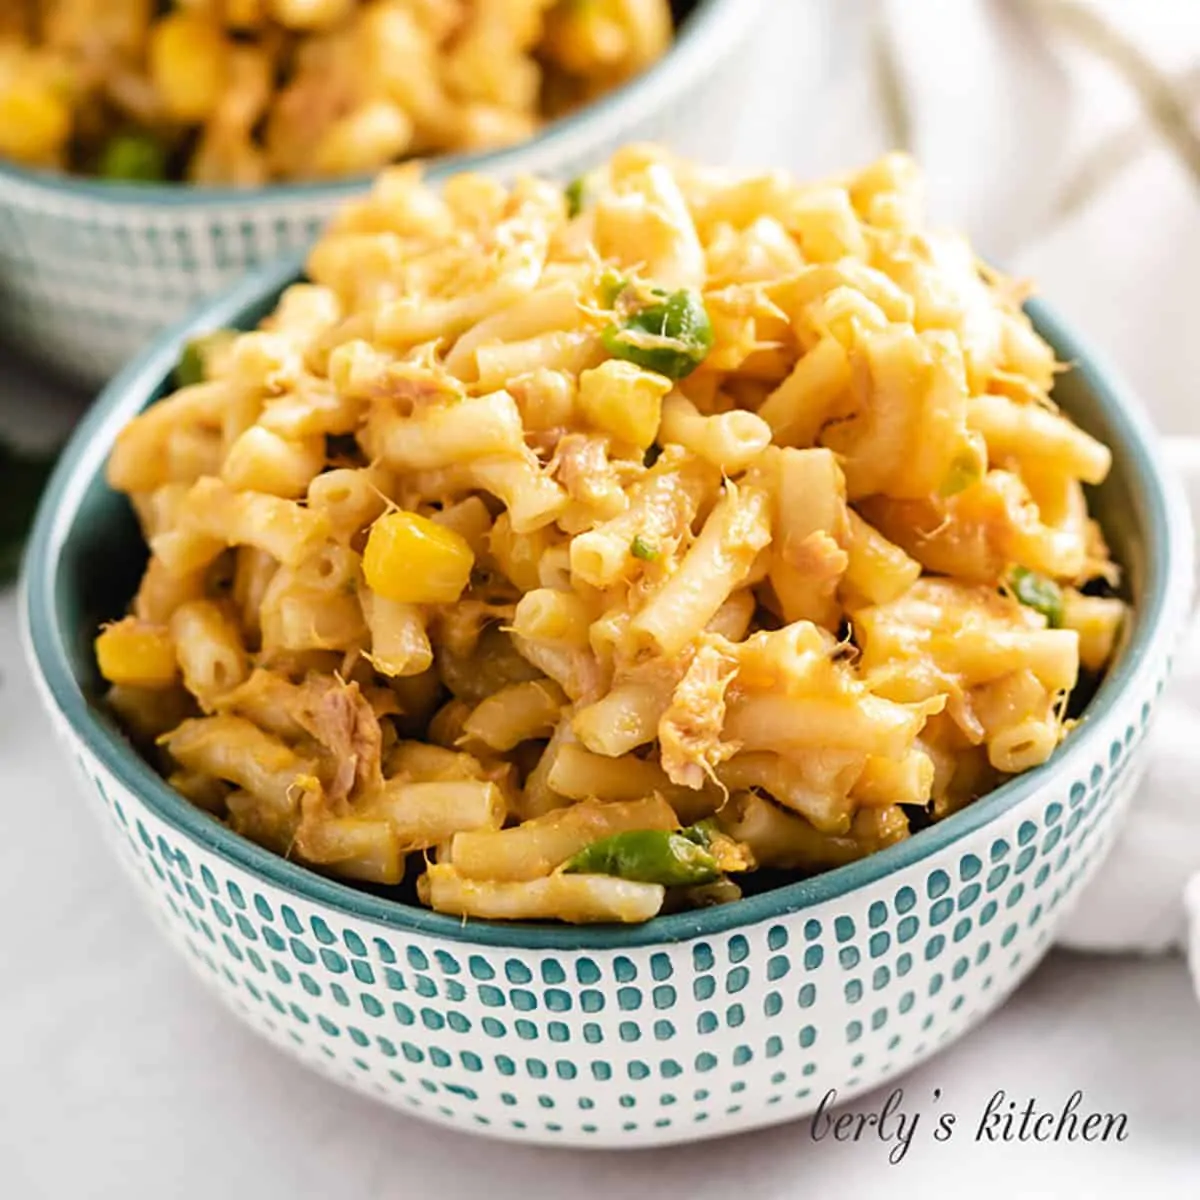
(120, 1078)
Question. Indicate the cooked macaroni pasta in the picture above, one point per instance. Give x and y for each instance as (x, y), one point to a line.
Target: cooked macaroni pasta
(576, 557)
(246, 92)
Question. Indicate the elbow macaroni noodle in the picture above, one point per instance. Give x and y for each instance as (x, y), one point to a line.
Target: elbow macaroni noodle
(567, 554)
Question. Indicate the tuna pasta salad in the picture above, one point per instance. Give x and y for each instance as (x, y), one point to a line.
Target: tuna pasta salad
(250, 92)
(587, 553)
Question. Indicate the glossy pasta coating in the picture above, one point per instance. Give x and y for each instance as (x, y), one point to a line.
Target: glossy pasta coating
(440, 580)
(246, 92)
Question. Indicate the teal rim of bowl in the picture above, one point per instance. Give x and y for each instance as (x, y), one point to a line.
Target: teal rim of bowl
(1167, 592)
(692, 40)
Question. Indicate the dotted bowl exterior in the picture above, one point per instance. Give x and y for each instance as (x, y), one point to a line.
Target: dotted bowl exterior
(648, 1044)
(91, 272)
(692, 1025)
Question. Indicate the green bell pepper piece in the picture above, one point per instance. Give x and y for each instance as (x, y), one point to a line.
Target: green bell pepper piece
(641, 548)
(1037, 592)
(133, 158)
(647, 856)
(670, 336)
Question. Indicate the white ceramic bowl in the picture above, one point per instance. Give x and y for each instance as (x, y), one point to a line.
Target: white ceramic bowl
(91, 271)
(692, 1025)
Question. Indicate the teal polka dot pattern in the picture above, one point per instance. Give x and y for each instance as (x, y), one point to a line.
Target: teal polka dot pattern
(659, 1043)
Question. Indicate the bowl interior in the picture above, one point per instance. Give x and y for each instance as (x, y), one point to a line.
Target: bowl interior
(86, 556)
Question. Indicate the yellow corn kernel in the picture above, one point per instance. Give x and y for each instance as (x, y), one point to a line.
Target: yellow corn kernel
(413, 560)
(622, 399)
(35, 122)
(137, 654)
(188, 56)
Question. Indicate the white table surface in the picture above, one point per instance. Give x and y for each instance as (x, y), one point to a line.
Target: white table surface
(120, 1077)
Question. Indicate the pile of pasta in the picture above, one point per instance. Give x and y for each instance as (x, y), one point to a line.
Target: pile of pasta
(246, 92)
(586, 550)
